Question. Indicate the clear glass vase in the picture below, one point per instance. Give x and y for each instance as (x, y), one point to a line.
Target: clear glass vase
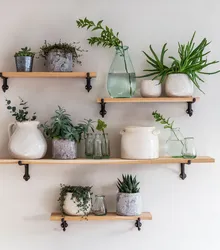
(89, 145)
(99, 206)
(97, 147)
(105, 146)
(175, 143)
(121, 81)
(189, 149)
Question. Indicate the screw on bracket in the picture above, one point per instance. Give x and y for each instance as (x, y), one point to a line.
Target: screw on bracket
(88, 82)
(138, 224)
(182, 173)
(63, 224)
(5, 82)
(189, 110)
(26, 176)
(102, 112)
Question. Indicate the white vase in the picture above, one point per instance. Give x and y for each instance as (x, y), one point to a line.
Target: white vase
(70, 206)
(139, 143)
(26, 141)
(150, 88)
(179, 85)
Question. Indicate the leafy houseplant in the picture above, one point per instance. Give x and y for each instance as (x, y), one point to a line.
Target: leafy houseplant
(121, 69)
(61, 56)
(75, 200)
(192, 62)
(101, 125)
(24, 60)
(129, 201)
(64, 134)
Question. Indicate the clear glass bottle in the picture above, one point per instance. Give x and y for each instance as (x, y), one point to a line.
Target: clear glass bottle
(189, 149)
(175, 143)
(99, 206)
(105, 146)
(97, 147)
(89, 145)
(121, 77)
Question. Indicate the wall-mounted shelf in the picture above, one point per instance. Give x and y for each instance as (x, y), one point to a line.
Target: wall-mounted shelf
(188, 100)
(113, 161)
(110, 216)
(86, 75)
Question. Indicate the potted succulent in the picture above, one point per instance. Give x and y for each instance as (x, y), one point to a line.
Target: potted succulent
(75, 200)
(184, 72)
(25, 139)
(129, 202)
(64, 134)
(24, 60)
(61, 57)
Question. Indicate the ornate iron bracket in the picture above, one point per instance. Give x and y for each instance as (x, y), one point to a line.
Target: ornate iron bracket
(138, 224)
(189, 110)
(26, 176)
(182, 173)
(88, 82)
(102, 112)
(5, 82)
(63, 224)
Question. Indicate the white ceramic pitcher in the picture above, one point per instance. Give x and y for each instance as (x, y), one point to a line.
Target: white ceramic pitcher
(26, 141)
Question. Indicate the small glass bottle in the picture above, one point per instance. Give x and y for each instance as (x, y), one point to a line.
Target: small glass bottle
(189, 149)
(175, 143)
(89, 145)
(99, 206)
(97, 146)
(105, 146)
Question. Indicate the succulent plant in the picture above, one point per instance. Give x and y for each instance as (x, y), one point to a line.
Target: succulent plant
(128, 184)
(25, 52)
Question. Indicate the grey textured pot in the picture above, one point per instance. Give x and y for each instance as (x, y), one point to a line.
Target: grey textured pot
(24, 63)
(129, 204)
(58, 61)
(64, 149)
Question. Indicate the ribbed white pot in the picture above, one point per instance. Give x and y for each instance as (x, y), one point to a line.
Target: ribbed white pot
(179, 85)
(150, 88)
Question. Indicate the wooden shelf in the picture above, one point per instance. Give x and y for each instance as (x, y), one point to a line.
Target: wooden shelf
(47, 74)
(110, 216)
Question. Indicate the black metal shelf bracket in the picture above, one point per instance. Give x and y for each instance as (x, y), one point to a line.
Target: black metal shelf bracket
(26, 176)
(189, 110)
(88, 82)
(182, 167)
(5, 82)
(63, 224)
(138, 224)
(103, 111)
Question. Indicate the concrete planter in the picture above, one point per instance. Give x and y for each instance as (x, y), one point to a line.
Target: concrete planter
(129, 204)
(24, 63)
(58, 61)
(64, 149)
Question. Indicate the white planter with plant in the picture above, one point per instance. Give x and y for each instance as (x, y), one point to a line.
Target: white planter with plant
(183, 72)
(129, 201)
(25, 139)
(75, 200)
(64, 134)
(151, 88)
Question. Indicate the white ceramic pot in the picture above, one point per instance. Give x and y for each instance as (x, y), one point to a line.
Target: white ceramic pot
(70, 206)
(139, 143)
(129, 204)
(26, 141)
(179, 85)
(151, 88)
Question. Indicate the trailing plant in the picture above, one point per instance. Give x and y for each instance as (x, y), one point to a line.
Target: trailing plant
(61, 127)
(21, 113)
(128, 184)
(66, 48)
(25, 52)
(81, 194)
(192, 61)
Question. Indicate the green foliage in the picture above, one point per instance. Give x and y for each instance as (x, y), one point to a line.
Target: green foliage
(166, 122)
(66, 48)
(81, 194)
(101, 125)
(21, 113)
(192, 61)
(107, 36)
(25, 52)
(61, 127)
(128, 184)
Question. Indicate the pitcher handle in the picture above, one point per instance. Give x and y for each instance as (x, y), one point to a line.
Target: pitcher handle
(156, 132)
(11, 129)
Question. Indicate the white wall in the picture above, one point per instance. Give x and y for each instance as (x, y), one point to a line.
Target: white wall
(185, 213)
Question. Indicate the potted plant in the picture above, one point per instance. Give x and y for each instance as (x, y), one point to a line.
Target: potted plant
(24, 60)
(25, 139)
(184, 72)
(129, 202)
(61, 57)
(121, 77)
(75, 200)
(64, 134)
